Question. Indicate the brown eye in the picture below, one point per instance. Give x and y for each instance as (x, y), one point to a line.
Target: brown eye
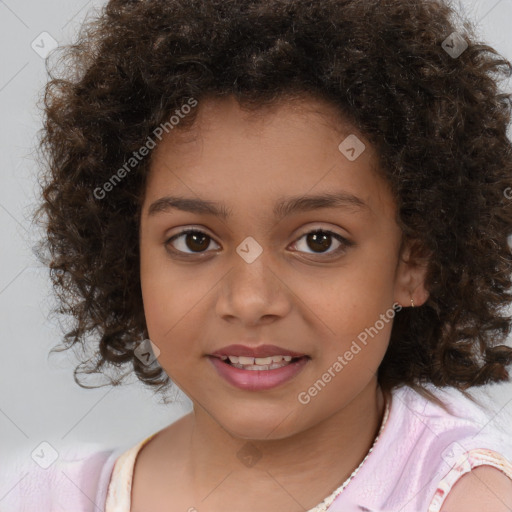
(320, 241)
(191, 240)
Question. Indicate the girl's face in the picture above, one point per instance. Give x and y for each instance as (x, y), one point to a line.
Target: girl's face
(274, 266)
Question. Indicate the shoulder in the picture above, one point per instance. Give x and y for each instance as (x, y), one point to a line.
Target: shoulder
(480, 480)
(483, 488)
(466, 461)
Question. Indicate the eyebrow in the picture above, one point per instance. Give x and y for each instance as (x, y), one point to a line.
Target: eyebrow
(284, 207)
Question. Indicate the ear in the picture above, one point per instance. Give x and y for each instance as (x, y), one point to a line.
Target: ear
(410, 274)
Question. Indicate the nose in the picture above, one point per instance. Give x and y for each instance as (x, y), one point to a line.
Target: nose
(253, 293)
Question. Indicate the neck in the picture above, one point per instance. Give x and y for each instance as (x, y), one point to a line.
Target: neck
(323, 456)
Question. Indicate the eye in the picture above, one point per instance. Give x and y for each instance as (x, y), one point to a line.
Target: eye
(320, 240)
(194, 239)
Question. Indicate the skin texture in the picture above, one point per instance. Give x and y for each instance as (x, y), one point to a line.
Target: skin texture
(484, 488)
(291, 296)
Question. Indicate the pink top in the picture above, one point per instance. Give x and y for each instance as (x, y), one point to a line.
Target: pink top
(419, 455)
(423, 451)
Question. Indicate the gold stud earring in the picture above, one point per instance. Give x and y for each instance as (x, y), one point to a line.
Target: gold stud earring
(412, 303)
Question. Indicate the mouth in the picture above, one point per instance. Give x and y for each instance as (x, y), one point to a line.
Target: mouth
(258, 374)
(259, 363)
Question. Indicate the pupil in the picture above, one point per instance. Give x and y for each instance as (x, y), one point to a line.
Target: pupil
(195, 237)
(321, 240)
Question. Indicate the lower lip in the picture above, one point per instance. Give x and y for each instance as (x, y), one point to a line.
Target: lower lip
(257, 380)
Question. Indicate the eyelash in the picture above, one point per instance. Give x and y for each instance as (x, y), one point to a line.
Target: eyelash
(345, 244)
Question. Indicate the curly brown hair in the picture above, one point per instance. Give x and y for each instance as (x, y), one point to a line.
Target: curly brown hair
(438, 122)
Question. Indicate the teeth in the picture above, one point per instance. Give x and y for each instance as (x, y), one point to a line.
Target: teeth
(257, 360)
(264, 360)
(260, 367)
(258, 363)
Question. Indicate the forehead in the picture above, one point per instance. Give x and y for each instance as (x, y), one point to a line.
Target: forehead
(213, 111)
(289, 148)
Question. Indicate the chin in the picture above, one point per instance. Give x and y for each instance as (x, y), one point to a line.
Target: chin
(260, 426)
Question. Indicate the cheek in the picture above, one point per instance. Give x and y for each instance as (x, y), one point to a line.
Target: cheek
(165, 303)
(159, 292)
(371, 280)
(345, 308)
(168, 321)
(352, 294)
(175, 299)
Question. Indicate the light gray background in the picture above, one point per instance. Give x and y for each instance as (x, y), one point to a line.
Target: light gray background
(39, 400)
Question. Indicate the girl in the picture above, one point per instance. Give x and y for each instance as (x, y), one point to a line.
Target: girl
(297, 213)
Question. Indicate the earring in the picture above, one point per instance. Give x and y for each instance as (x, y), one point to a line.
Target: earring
(412, 303)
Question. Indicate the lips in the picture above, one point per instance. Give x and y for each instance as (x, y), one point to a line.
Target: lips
(258, 380)
(259, 351)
